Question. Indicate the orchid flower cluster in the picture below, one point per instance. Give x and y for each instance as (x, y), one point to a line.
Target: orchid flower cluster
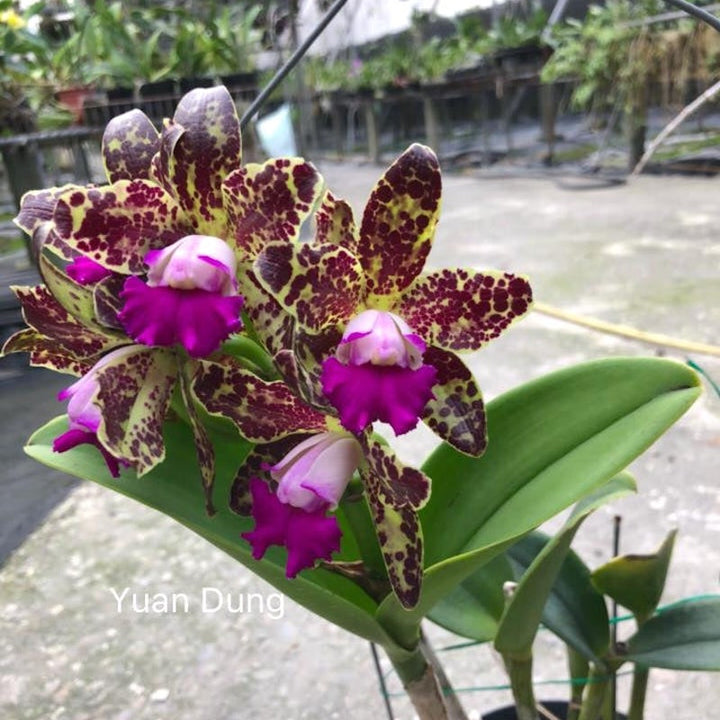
(181, 288)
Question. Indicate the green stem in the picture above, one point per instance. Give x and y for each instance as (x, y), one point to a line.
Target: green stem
(639, 690)
(420, 680)
(578, 667)
(520, 672)
(597, 687)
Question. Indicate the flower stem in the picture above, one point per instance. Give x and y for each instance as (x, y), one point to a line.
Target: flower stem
(597, 687)
(420, 679)
(639, 690)
(520, 672)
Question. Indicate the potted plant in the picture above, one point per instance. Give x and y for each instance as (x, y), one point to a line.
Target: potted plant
(541, 581)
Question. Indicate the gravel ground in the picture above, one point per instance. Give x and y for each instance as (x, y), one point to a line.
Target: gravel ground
(645, 254)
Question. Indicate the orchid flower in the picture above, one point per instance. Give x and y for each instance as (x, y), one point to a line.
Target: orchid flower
(310, 457)
(311, 479)
(177, 204)
(377, 335)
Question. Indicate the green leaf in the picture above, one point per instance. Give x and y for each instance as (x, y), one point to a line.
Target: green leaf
(684, 637)
(474, 608)
(524, 610)
(172, 488)
(636, 581)
(551, 442)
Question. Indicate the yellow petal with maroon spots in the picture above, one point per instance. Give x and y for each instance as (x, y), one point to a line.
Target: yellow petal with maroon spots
(399, 222)
(129, 144)
(335, 223)
(262, 411)
(203, 446)
(457, 412)
(203, 155)
(461, 309)
(51, 320)
(45, 352)
(320, 286)
(395, 493)
(116, 225)
(134, 391)
(269, 202)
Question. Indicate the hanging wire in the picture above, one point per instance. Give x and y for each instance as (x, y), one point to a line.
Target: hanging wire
(381, 680)
(696, 12)
(291, 62)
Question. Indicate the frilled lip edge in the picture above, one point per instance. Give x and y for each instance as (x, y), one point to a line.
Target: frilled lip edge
(388, 393)
(163, 316)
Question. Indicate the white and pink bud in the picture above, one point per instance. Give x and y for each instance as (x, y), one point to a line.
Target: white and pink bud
(315, 473)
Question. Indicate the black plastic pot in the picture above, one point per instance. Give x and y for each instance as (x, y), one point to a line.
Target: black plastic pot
(242, 86)
(120, 100)
(558, 708)
(157, 99)
(190, 83)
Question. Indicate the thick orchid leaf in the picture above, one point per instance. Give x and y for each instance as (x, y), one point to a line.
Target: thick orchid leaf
(129, 144)
(45, 352)
(172, 489)
(462, 309)
(320, 286)
(399, 222)
(134, 396)
(262, 411)
(636, 581)
(203, 445)
(457, 412)
(107, 301)
(269, 202)
(203, 155)
(474, 608)
(75, 298)
(575, 611)
(52, 321)
(335, 224)
(37, 207)
(116, 225)
(395, 492)
(684, 637)
(551, 442)
(524, 611)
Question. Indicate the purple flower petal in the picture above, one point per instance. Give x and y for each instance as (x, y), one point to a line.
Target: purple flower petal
(307, 536)
(75, 436)
(85, 271)
(164, 316)
(389, 393)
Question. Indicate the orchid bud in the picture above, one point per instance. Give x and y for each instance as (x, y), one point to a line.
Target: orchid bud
(195, 262)
(315, 473)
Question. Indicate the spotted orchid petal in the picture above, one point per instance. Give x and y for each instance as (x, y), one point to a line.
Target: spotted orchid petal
(45, 352)
(320, 286)
(107, 301)
(456, 412)
(268, 203)
(464, 309)
(262, 411)
(116, 225)
(198, 159)
(335, 223)
(129, 143)
(308, 536)
(399, 223)
(395, 493)
(135, 387)
(52, 321)
(37, 207)
(203, 446)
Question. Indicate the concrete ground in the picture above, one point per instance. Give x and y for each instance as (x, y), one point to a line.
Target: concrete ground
(644, 254)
